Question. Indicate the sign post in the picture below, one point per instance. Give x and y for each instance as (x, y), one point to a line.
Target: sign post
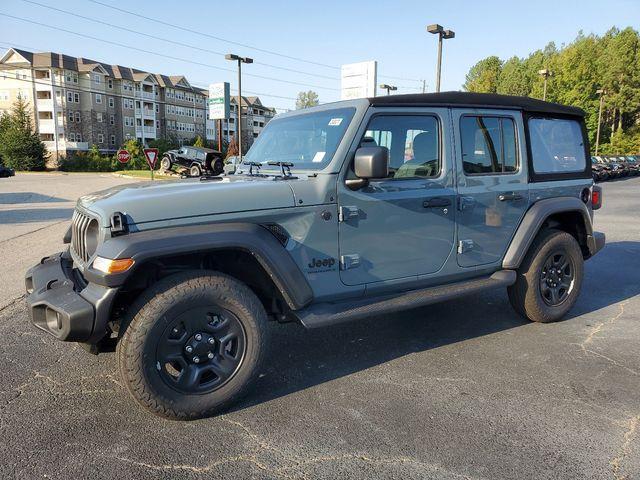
(123, 156)
(151, 154)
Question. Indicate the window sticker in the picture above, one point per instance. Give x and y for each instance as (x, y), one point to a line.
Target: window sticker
(319, 156)
(334, 122)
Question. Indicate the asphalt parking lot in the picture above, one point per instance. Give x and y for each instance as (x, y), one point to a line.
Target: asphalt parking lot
(464, 389)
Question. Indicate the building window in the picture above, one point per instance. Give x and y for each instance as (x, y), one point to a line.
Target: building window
(112, 119)
(110, 83)
(100, 138)
(4, 95)
(76, 97)
(111, 102)
(96, 78)
(71, 117)
(72, 137)
(98, 98)
(157, 108)
(78, 117)
(99, 117)
(78, 137)
(113, 139)
(69, 96)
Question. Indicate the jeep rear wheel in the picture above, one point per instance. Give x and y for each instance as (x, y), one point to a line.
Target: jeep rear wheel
(549, 280)
(193, 343)
(165, 164)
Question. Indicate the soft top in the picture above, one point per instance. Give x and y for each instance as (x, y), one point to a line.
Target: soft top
(477, 100)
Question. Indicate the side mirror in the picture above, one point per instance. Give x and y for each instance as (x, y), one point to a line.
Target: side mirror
(371, 162)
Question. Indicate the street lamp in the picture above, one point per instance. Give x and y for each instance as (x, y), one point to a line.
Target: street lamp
(546, 73)
(602, 92)
(442, 34)
(388, 88)
(240, 60)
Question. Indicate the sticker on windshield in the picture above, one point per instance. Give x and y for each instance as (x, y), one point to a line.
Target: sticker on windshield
(318, 157)
(334, 122)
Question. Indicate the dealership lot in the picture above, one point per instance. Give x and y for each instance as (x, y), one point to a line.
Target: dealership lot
(465, 389)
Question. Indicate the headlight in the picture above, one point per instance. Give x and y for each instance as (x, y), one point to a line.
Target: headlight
(91, 237)
(109, 266)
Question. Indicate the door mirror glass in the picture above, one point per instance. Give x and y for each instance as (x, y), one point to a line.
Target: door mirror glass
(371, 162)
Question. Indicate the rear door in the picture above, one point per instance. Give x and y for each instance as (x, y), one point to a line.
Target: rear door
(401, 226)
(493, 192)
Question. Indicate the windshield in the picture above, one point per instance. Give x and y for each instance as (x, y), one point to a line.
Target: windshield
(309, 141)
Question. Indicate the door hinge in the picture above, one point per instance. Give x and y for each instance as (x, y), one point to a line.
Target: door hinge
(349, 261)
(465, 246)
(347, 213)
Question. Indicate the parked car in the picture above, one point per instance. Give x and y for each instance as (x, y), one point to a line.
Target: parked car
(615, 169)
(339, 212)
(600, 172)
(6, 172)
(198, 160)
(231, 165)
(629, 164)
(618, 167)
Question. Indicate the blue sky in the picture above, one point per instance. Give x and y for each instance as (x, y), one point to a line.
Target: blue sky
(330, 32)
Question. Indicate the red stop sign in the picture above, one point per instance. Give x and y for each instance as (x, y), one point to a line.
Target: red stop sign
(123, 156)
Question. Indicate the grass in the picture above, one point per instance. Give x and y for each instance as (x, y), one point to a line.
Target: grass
(145, 174)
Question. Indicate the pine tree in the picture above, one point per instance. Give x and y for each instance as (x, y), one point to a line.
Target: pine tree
(20, 146)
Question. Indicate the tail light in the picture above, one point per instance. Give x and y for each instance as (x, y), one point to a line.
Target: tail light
(596, 197)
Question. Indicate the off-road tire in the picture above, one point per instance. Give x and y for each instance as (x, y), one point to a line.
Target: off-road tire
(525, 294)
(217, 167)
(154, 309)
(195, 171)
(165, 163)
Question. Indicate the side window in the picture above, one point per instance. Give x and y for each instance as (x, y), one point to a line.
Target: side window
(413, 142)
(557, 145)
(488, 145)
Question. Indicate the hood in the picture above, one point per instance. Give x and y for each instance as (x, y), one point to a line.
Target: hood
(166, 200)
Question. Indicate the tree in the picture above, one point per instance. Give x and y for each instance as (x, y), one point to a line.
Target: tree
(232, 149)
(307, 99)
(198, 142)
(20, 146)
(164, 144)
(484, 76)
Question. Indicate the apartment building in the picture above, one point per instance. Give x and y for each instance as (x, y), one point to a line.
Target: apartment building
(78, 103)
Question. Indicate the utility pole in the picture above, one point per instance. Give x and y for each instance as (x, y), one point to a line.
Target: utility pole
(546, 73)
(442, 35)
(240, 61)
(424, 86)
(602, 92)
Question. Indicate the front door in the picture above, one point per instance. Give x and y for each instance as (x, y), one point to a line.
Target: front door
(492, 183)
(401, 226)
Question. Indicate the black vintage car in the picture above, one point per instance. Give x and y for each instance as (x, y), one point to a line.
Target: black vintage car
(197, 159)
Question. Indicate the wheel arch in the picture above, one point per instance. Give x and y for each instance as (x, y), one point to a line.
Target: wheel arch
(569, 214)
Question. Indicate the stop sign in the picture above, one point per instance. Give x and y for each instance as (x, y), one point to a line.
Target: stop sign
(123, 156)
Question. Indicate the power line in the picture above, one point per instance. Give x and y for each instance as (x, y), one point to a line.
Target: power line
(162, 39)
(164, 55)
(225, 40)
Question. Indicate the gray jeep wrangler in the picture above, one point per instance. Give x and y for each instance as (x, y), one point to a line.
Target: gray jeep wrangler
(339, 212)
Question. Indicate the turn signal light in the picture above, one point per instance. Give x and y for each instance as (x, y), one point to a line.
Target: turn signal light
(108, 266)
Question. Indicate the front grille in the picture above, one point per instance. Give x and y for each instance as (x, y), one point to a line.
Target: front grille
(79, 224)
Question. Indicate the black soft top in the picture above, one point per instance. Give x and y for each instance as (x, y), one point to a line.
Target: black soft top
(477, 100)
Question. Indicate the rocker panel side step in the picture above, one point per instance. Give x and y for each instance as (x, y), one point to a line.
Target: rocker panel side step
(324, 314)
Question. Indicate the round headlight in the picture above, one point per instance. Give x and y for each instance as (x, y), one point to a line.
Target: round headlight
(91, 237)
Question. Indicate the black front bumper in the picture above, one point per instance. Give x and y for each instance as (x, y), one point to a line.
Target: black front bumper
(62, 304)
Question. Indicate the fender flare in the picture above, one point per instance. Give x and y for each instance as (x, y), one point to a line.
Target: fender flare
(248, 237)
(533, 220)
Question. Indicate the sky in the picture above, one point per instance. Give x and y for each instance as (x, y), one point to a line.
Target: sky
(299, 46)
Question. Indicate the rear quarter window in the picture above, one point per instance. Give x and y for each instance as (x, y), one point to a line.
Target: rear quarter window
(557, 146)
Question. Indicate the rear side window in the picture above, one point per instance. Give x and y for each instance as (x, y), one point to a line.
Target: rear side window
(488, 145)
(557, 145)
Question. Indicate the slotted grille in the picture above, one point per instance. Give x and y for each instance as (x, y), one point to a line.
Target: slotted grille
(79, 224)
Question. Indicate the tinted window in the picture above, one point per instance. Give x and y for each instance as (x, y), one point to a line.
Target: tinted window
(488, 145)
(413, 143)
(557, 145)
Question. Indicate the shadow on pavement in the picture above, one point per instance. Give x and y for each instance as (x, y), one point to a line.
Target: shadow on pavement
(28, 197)
(33, 215)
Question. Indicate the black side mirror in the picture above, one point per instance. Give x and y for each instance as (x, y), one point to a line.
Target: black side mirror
(371, 162)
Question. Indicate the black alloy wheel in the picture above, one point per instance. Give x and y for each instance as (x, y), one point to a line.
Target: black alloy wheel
(557, 278)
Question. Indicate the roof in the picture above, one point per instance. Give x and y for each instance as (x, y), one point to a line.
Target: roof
(478, 100)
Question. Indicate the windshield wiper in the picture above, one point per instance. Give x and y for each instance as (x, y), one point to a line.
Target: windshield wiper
(285, 167)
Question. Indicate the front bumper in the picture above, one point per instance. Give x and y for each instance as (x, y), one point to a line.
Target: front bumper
(63, 305)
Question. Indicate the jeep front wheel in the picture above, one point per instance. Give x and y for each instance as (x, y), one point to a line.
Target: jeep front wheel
(549, 280)
(165, 164)
(192, 344)
(195, 171)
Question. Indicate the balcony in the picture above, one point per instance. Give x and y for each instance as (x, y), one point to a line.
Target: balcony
(44, 104)
(146, 95)
(146, 113)
(63, 145)
(147, 130)
(46, 125)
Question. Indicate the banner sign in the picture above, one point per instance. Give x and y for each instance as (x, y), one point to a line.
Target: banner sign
(218, 101)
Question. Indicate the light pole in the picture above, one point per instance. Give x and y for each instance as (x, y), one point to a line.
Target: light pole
(602, 92)
(442, 34)
(240, 60)
(546, 73)
(388, 88)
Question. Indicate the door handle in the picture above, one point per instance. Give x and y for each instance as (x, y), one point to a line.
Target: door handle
(437, 202)
(508, 197)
